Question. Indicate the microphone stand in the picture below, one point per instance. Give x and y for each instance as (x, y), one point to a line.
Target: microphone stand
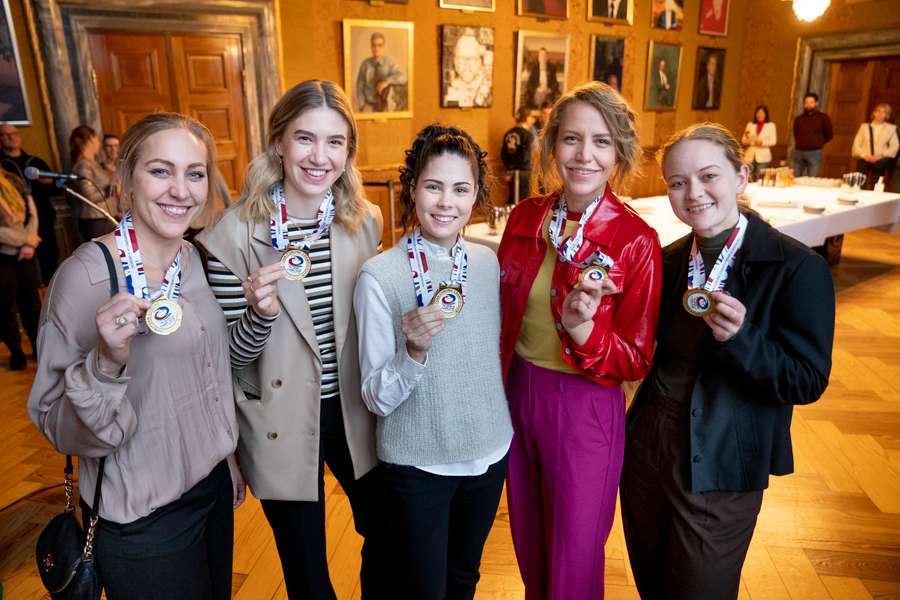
(92, 205)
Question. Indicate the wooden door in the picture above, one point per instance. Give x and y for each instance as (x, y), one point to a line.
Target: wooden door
(848, 99)
(886, 86)
(197, 75)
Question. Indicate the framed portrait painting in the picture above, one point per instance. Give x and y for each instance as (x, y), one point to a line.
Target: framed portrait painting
(607, 58)
(663, 69)
(708, 78)
(467, 66)
(378, 68)
(13, 99)
(467, 5)
(714, 17)
(667, 14)
(544, 9)
(542, 64)
(611, 11)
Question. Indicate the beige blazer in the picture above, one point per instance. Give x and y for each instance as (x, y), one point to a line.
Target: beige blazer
(279, 433)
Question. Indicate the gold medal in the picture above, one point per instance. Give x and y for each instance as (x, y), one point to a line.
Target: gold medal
(296, 264)
(164, 316)
(595, 273)
(698, 301)
(450, 300)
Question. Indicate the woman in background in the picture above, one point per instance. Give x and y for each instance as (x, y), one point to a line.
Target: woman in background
(98, 185)
(759, 136)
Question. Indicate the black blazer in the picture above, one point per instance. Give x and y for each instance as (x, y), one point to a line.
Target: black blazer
(741, 405)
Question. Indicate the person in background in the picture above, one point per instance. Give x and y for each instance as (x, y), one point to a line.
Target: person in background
(429, 328)
(579, 286)
(735, 351)
(759, 136)
(812, 130)
(515, 153)
(95, 184)
(283, 261)
(151, 412)
(541, 119)
(875, 147)
(111, 144)
(14, 161)
(19, 272)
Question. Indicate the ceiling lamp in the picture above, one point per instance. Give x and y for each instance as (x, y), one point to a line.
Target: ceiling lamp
(810, 10)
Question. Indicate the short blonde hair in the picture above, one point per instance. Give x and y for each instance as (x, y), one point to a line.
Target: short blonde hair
(619, 118)
(266, 170)
(137, 134)
(709, 132)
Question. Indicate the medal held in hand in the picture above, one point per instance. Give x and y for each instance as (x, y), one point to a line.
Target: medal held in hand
(596, 267)
(295, 260)
(697, 299)
(450, 296)
(165, 313)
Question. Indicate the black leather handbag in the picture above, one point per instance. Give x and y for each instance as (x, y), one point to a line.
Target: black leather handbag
(65, 553)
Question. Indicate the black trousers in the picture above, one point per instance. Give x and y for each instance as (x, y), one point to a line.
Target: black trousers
(181, 550)
(19, 283)
(682, 545)
(299, 527)
(438, 526)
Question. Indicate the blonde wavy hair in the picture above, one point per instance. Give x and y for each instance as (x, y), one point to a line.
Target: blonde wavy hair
(266, 170)
(137, 134)
(709, 132)
(619, 118)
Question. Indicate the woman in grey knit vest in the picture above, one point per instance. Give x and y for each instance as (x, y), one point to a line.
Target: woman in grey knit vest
(428, 312)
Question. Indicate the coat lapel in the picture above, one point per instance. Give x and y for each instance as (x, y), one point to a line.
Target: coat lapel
(291, 294)
(344, 268)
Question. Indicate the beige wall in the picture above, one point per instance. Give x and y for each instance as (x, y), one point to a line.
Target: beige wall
(34, 137)
(317, 53)
(772, 35)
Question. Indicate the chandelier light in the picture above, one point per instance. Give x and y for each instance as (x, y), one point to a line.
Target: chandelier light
(810, 10)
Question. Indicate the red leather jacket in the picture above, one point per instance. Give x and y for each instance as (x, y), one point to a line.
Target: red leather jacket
(620, 347)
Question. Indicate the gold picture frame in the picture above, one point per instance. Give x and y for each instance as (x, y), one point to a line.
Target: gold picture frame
(596, 10)
(471, 5)
(364, 59)
(523, 9)
(661, 93)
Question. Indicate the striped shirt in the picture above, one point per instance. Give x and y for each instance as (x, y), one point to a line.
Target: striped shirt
(249, 331)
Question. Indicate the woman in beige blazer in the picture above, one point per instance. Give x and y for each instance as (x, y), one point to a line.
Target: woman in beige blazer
(283, 263)
(759, 136)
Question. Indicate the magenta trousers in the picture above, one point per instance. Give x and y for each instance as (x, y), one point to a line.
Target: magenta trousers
(564, 467)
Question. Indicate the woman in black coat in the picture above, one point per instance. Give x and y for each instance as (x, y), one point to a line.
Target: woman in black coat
(736, 350)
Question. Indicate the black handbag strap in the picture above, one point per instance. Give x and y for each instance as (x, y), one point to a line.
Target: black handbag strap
(871, 141)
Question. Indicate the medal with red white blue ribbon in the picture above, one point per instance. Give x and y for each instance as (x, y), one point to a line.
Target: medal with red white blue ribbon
(698, 299)
(295, 259)
(450, 296)
(165, 313)
(596, 267)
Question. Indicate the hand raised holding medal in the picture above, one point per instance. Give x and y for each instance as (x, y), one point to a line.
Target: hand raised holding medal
(117, 322)
(261, 289)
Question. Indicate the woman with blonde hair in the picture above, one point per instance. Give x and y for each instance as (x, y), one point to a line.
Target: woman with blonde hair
(96, 184)
(737, 348)
(293, 244)
(132, 378)
(19, 272)
(579, 284)
(875, 147)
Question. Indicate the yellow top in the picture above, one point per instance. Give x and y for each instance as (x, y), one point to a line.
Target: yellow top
(538, 341)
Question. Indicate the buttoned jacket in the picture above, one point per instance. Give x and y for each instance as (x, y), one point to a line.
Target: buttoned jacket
(620, 346)
(278, 395)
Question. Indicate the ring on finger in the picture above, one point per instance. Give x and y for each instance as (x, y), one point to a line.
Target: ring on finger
(121, 321)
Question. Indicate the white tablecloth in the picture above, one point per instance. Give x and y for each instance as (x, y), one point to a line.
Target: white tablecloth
(781, 207)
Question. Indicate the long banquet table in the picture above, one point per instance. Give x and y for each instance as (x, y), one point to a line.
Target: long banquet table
(781, 207)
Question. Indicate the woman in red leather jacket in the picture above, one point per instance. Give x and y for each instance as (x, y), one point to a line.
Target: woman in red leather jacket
(579, 281)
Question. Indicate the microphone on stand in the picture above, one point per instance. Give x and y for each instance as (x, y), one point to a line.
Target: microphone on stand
(33, 173)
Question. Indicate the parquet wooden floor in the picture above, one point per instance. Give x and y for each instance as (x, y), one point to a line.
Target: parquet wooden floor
(831, 530)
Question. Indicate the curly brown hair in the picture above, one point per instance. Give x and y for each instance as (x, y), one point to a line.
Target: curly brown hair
(433, 141)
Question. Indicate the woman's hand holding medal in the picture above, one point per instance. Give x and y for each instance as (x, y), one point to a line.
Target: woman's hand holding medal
(261, 290)
(726, 317)
(419, 326)
(116, 326)
(581, 305)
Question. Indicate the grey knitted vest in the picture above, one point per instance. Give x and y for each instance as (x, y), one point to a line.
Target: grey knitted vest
(458, 410)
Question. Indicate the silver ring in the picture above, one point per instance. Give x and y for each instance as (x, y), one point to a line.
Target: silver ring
(121, 321)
